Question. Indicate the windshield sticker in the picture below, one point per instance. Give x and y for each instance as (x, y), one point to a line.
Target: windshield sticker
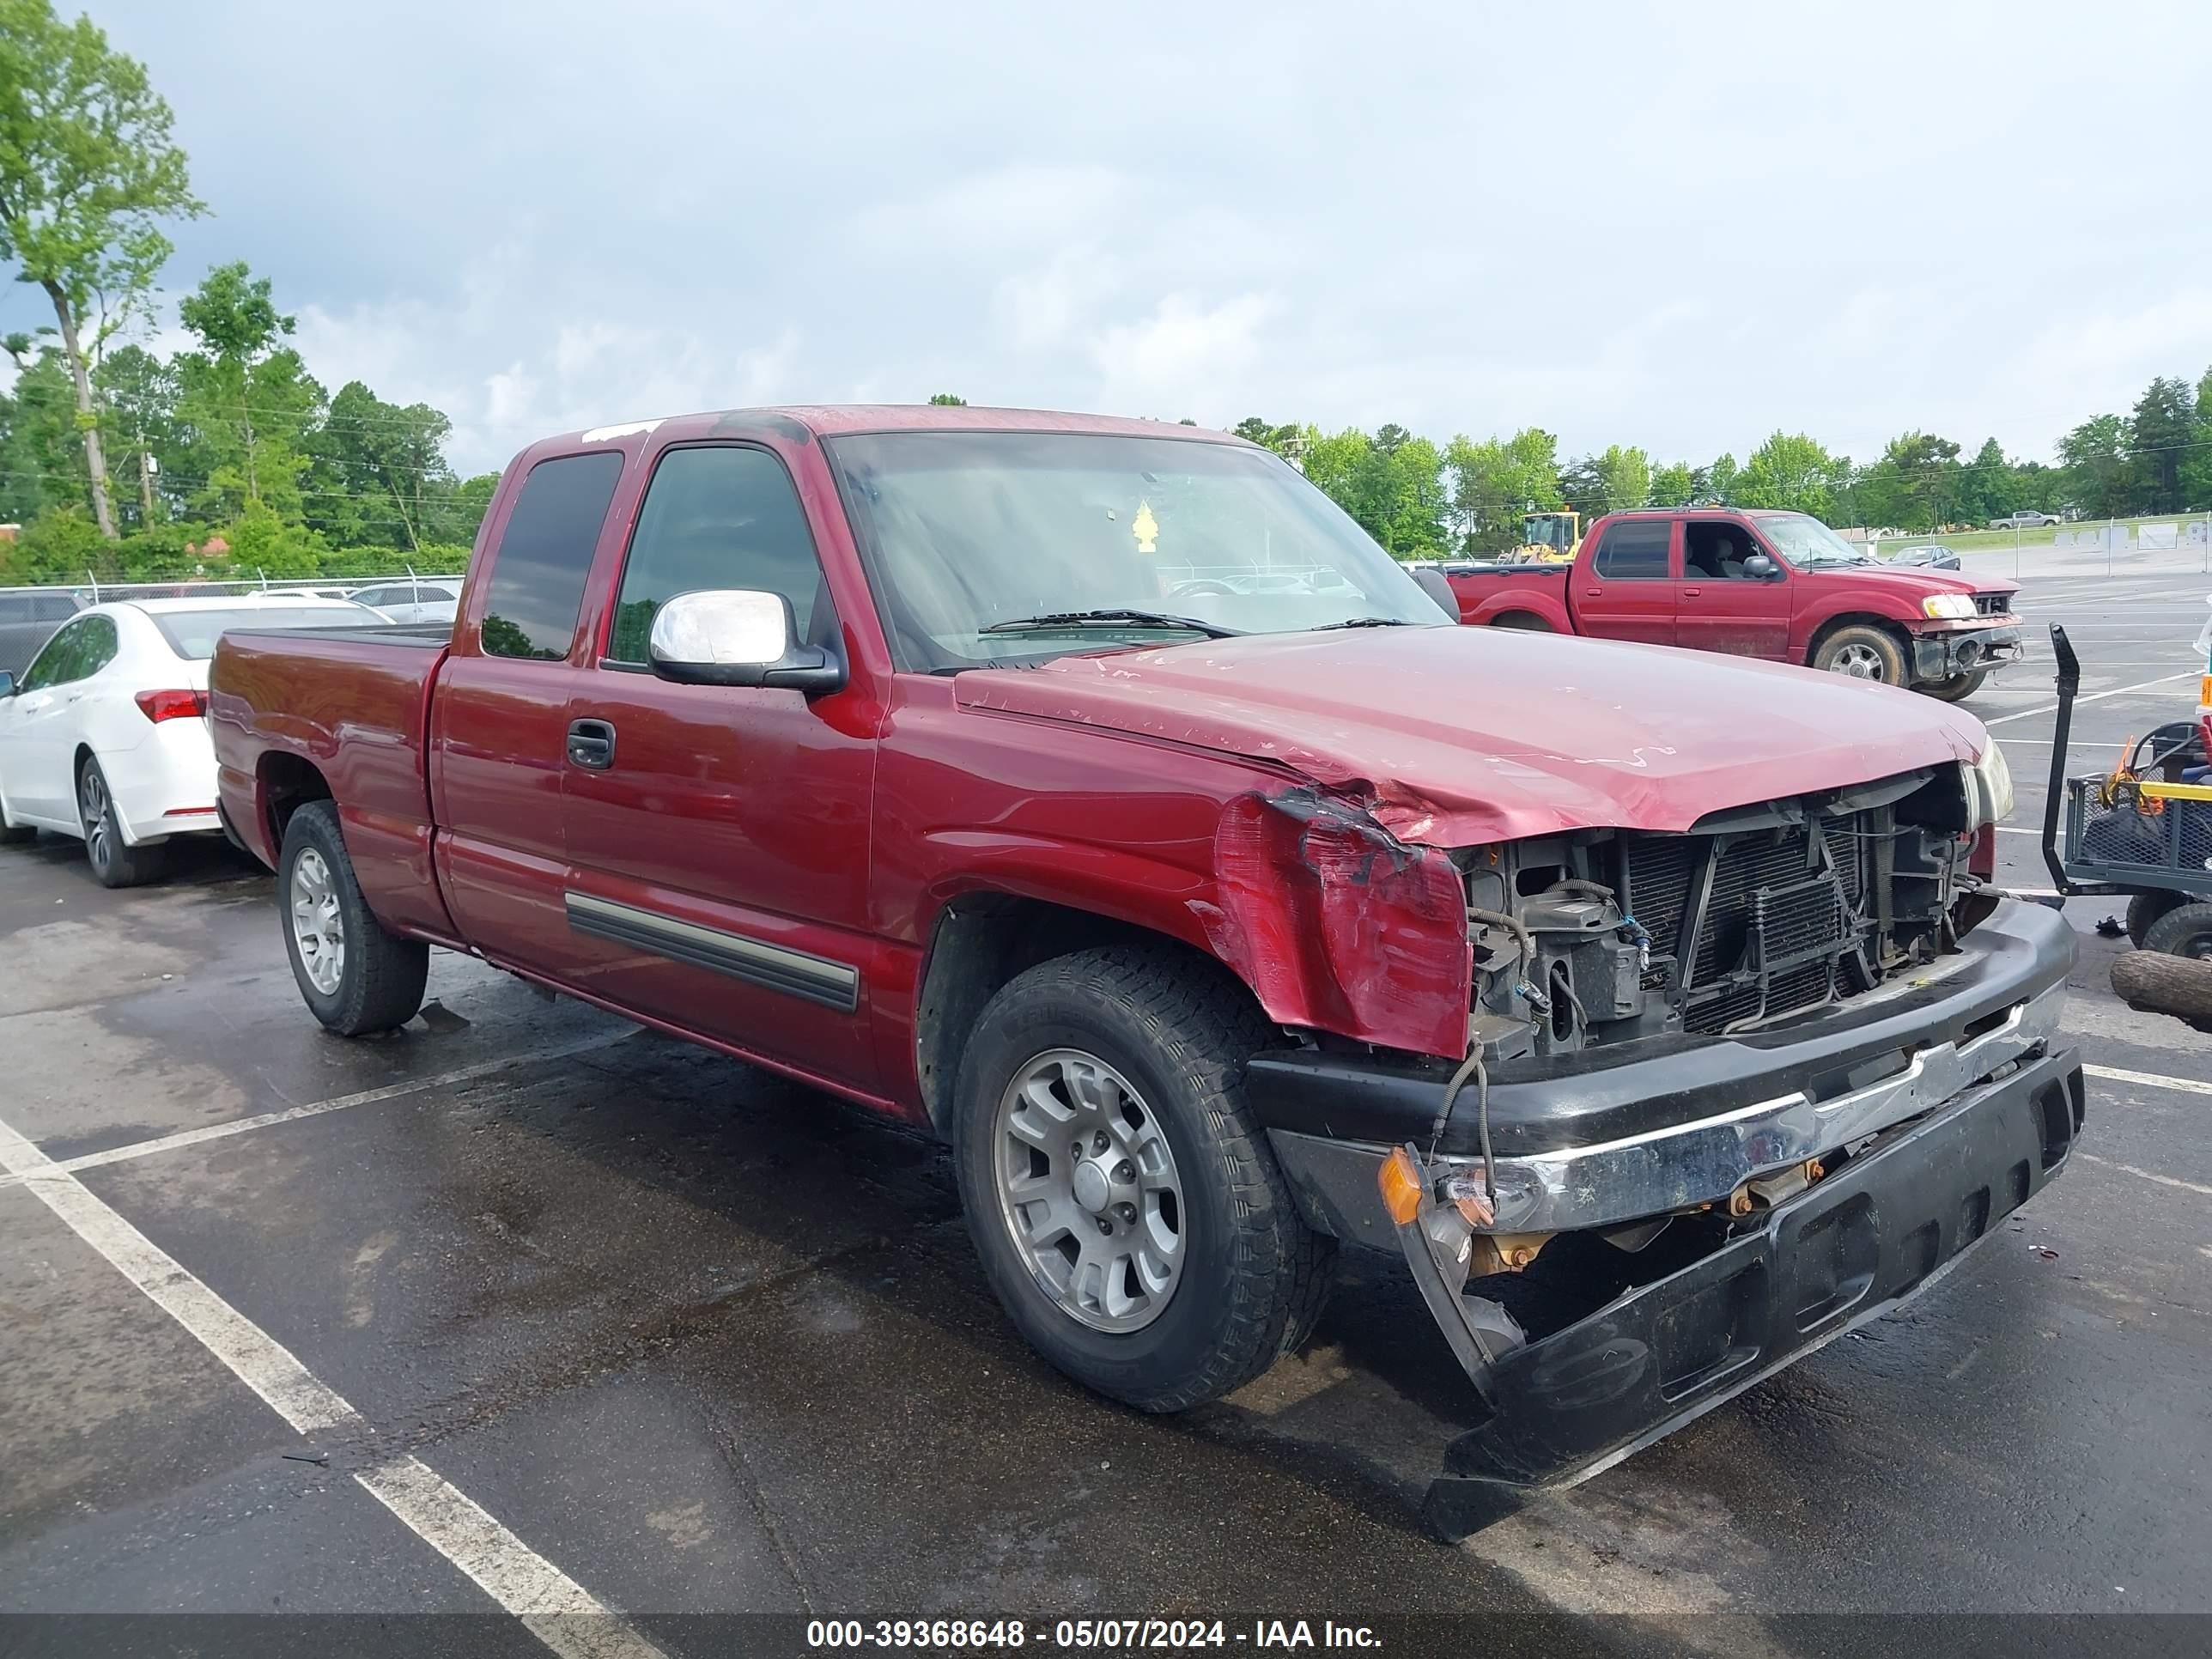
(1146, 528)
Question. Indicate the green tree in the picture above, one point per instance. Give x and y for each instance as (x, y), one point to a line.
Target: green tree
(946, 400)
(2197, 462)
(1675, 484)
(2159, 435)
(1495, 482)
(87, 169)
(1282, 440)
(2093, 455)
(1625, 477)
(137, 393)
(41, 454)
(1390, 483)
(1791, 472)
(1721, 478)
(246, 398)
(1916, 485)
(1987, 486)
(380, 477)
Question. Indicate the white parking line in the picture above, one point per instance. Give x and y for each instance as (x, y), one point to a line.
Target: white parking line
(2095, 696)
(2148, 1080)
(554, 1607)
(2148, 1175)
(292, 1114)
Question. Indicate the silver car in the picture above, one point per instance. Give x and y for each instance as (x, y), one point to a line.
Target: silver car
(431, 600)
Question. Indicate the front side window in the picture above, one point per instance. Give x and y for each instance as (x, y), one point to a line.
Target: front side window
(1635, 551)
(976, 542)
(538, 573)
(720, 517)
(57, 663)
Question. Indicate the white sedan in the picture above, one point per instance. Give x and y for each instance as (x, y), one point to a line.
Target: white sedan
(420, 601)
(105, 737)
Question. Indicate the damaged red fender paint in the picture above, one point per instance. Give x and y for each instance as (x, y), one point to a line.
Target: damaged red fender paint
(1338, 924)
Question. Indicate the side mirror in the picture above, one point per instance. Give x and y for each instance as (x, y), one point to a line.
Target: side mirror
(738, 636)
(1431, 582)
(7, 684)
(1760, 567)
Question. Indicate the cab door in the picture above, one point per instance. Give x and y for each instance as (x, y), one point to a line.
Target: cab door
(1624, 590)
(499, 729)
(718, 835)
(1723, 605)
(38, 724)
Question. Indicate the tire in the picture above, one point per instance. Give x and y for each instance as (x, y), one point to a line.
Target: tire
(2184, 931)
(2145, 909)
(1848, 651)
(1164, 1040)
(113, 863)
(358, 979)
(1524, 621)
(1957, 688)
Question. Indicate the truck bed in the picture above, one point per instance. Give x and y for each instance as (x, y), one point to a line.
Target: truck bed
(302, 712)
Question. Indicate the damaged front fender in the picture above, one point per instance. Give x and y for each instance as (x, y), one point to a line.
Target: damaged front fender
(1338, 926)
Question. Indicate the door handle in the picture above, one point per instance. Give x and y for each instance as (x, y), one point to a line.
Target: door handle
(1691, 592)
(591, 744)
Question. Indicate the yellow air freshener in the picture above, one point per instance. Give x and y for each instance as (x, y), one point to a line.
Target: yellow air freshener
(1146, 528)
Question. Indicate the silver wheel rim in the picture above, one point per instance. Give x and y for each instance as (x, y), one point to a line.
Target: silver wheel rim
(318, 923)
(1860, 662)
(92, 802)
(1088, 1190)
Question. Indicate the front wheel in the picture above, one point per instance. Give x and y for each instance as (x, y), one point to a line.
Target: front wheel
(1958, 687)
(1128, 1212)
(1861, 652)
(357, 978)
(115, 862)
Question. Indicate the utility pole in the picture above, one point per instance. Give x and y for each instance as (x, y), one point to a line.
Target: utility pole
(148, 466)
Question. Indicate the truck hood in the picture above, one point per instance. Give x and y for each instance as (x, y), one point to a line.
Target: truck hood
(1461, 736)
(1913, 583)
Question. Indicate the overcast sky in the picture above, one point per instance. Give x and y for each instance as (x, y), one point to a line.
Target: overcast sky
(1679, 225)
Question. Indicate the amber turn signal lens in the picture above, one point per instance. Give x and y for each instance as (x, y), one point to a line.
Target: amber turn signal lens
(1399, 1178)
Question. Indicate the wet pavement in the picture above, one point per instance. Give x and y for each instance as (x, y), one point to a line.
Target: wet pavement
(709, 1342)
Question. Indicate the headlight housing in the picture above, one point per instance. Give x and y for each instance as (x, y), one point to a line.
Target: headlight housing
(1948, 607)
(1989, 788)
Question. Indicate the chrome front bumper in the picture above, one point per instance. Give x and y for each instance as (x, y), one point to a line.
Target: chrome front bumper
(1702, 1161)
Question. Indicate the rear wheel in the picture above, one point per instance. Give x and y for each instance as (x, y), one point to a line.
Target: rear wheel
(1129, 1214)
(114, 863)
(357, 978)
(1861, 652)
(1958, 687)
(2144, 908)
(2184, 931)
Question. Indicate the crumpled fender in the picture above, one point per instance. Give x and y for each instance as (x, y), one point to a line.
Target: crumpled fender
(1338, 924)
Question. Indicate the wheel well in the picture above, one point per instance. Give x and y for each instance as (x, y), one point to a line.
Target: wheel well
(289, 783)
(982, 941)
(1527, 621)
(1858, 619)
(76, 762)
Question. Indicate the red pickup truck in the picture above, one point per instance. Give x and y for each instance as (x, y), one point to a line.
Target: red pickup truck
(1781, 586)
(1095, 794)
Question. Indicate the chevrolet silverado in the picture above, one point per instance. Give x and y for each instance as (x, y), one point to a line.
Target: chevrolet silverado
(1094, 794)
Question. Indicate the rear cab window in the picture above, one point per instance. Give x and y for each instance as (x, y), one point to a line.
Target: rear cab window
(536, 589)
(1635, 550)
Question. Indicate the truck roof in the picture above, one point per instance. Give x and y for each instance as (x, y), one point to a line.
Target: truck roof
(802, 422)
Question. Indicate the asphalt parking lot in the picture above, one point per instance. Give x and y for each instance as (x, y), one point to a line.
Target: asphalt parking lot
(524, 1296)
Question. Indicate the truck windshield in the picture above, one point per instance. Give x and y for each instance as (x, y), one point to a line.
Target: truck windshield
(966, 531)
(1807, 543)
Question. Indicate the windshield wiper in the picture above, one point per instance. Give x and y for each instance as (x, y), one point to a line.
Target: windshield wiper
(1087, 618)
(1362, 622)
